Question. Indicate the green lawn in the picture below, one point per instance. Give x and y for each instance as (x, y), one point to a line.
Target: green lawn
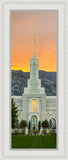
(34, 141)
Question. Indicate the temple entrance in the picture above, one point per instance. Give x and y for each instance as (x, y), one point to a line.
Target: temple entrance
(34, 123)
(33, 127)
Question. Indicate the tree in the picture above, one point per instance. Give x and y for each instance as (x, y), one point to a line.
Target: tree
(23, 124)
(14, 114)
(29, 124)
(39, 125)
(45, 124)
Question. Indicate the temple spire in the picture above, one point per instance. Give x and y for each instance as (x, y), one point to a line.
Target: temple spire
(34, 46)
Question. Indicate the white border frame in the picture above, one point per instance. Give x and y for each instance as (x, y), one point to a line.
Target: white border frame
(61, 152)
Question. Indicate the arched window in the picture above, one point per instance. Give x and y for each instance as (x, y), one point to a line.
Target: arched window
(52, 123)
(34, 105)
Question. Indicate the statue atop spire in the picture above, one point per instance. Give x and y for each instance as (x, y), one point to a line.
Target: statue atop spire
(34, 45)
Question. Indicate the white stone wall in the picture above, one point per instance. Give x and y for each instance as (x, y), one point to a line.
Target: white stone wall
(47, 107)
(23, 116)
(47, 116)
(51, 103)
(43, 116)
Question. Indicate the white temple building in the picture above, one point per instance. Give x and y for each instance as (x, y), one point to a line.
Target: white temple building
(34, 105)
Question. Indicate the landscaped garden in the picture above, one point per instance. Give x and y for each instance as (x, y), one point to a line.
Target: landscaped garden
(33, 141)
(23, 136)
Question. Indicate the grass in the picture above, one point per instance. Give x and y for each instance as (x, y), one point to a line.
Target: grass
(38, 141)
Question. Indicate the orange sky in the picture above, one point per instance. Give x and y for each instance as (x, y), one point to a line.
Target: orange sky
(23, 26)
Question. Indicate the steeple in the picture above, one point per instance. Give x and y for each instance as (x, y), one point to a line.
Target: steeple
(34, 46)
(34, 63)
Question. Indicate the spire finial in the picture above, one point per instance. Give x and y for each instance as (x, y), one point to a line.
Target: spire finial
(34, 45)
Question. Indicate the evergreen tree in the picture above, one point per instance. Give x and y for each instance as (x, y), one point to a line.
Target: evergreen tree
(29, 124)
(39, 125)
(14, 114)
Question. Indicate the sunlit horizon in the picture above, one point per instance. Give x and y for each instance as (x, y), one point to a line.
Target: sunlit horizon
(19, 69)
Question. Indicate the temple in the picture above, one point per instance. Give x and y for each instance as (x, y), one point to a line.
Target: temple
(34, 106)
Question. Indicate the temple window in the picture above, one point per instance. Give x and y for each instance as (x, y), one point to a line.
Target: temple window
(34, 105)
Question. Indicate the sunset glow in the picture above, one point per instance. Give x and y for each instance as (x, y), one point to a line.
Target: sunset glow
(24, 25)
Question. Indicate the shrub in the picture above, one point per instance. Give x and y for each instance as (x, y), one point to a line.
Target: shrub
(29, 131)
(45, 124)
(44, 132)
(23, 132)
(47, 131)
(35, 131)
(23, 124)
(53, 131)
(19, 131)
